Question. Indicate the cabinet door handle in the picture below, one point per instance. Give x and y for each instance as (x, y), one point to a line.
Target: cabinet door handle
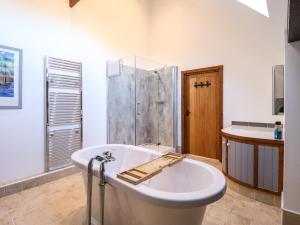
(228, 144)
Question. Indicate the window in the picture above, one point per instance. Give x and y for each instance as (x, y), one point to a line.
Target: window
(260, 6)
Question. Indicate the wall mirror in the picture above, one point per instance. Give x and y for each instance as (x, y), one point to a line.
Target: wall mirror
(278, 90)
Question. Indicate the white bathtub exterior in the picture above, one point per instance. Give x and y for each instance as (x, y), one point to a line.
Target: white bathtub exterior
(177, 196)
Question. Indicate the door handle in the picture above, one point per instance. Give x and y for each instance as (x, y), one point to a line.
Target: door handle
(187, 112)
(138, 110)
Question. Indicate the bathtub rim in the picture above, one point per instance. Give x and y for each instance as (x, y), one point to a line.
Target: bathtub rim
(205, 196)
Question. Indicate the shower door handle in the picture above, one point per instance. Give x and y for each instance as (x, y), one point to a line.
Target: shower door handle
(138, 111)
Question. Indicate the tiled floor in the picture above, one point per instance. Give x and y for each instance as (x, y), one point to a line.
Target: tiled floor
(62, 202)
(261, 196)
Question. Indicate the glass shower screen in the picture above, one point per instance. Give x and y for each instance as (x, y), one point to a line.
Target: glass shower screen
(142, 104)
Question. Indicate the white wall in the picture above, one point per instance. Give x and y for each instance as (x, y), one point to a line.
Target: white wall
(291, 197)
(201, 33)
(92, 32)
(188, 33)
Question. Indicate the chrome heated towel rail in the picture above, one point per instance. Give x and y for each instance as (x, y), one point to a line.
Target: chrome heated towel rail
(63, 111)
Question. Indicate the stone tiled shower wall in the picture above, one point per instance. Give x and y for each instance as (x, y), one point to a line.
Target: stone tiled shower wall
(121, 107)
(152, 101)
(165, 110)
(146, 128)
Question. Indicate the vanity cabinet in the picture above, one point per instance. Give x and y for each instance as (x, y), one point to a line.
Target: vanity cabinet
(253, 162)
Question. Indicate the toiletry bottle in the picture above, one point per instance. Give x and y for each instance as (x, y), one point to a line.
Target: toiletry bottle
(278, 130)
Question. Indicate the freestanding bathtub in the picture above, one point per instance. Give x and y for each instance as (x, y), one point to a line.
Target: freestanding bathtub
(176, 196)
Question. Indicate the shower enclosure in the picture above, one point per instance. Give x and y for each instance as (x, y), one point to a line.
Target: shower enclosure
(142, 104)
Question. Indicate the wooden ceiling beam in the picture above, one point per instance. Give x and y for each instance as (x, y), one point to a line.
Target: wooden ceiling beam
(73, 2)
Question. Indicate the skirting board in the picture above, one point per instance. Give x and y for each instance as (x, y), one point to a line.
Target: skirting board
(290, 218)
(34, 181)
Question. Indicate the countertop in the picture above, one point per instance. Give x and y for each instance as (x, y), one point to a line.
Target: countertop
(251, 132)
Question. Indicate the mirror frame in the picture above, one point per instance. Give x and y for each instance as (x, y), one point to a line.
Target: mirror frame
(274, 89)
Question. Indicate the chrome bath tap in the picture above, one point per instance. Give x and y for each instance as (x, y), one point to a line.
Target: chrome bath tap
(106, 157)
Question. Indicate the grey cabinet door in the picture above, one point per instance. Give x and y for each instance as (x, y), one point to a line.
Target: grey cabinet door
(241, 161)
(268, 167)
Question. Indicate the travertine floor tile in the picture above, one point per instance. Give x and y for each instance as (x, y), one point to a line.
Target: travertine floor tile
(62, 202)
(212, 221)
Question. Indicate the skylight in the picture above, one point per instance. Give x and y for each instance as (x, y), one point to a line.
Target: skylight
(260, 6)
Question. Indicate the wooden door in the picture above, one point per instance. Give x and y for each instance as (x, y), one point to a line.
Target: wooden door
(202, 111)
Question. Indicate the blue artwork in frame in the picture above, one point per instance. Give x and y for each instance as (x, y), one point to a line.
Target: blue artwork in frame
(10, 77)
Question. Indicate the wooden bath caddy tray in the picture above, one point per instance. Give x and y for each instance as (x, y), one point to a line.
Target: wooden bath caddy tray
(149, 169)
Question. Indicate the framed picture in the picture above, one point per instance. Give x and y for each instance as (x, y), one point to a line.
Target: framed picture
(10, 77)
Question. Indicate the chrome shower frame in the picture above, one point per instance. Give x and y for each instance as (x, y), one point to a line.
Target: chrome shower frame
(175, 108)
(174, 75)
